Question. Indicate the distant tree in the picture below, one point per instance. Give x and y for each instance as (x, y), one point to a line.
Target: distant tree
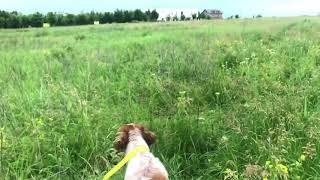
(17, 20)
(36, 20)
(194, 16)
(25, 21)
(2, 22)
(4, 14)
(154, 15)
(69, 20)
(59, 19)
(82, 19)
(259, 16)
(4, 17)
(148, 15)
(128, 16)
(107, 18)
(236, 16)
(103, 19)
(13, 21)
(14, 13)
(139, 15)
(64, 21)
(175, 18)
(51, 18)
(201, 15)
(168, 18)
(99, 17)
(92, 17)
(118, 16)
(182, 16)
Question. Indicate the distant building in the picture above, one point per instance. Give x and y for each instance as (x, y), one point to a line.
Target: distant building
(45, 25)
(212, 13)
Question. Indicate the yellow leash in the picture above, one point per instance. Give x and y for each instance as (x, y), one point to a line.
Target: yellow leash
(128, 157)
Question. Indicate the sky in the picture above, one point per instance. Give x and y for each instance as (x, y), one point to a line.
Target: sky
(245, 8)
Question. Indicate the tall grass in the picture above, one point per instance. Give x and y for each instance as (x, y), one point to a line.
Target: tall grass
(227, 99)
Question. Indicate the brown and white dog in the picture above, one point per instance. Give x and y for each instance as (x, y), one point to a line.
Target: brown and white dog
(144, 166)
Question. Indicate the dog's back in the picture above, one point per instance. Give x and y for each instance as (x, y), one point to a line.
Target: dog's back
(159, 177)
(146, 167)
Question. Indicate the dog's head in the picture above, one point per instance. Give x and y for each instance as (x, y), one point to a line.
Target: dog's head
(122, 138)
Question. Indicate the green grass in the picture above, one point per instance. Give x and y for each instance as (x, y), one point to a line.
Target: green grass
(227, 99)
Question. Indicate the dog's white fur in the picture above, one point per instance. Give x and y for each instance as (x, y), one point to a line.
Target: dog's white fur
(144, 166)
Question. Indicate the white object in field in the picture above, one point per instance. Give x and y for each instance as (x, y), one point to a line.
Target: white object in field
(96, 22)
(46, 25)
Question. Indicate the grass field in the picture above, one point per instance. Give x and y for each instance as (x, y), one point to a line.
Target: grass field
(227, 99)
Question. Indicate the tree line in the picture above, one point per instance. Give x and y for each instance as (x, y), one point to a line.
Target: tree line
(194, 16)
(18, 20)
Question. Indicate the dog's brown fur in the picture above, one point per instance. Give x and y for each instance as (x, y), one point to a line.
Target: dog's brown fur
(123, 136)
(159, 176)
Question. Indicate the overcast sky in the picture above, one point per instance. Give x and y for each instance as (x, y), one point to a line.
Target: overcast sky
(229, 7)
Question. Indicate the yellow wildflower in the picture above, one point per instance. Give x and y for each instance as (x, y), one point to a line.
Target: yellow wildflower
(302, 158)
(282, 168)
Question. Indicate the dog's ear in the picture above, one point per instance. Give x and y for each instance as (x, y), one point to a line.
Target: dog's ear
(122, 138)
(147, 135)
(121, 141)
